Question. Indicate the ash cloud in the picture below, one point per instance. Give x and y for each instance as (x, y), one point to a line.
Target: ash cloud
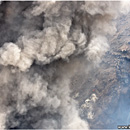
(43, 45)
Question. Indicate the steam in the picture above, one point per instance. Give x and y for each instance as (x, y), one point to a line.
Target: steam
(54, 40)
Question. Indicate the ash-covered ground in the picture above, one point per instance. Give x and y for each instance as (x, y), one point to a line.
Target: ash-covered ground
(104, 94)
(52, 71)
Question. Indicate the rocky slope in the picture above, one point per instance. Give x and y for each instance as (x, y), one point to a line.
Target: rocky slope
(104, 95)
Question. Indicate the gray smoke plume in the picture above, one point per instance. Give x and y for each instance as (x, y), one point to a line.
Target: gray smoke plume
(43, 45)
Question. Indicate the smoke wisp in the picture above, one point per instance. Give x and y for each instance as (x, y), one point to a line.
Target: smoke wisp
(43, 45)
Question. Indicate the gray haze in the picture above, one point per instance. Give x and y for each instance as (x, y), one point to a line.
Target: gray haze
(43, 45)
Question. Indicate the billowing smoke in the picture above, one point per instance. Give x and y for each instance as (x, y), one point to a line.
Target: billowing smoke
(43, 45)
